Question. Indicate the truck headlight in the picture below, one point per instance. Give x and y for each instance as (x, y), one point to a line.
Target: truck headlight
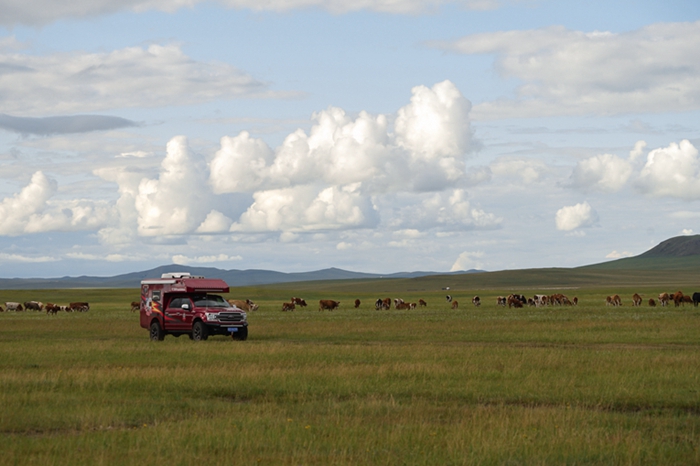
(212, 315)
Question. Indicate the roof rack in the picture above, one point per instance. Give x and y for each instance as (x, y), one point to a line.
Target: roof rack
(180, 275)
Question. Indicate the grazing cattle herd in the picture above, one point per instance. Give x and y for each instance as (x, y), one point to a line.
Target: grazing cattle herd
(50, 308)
(512, 301)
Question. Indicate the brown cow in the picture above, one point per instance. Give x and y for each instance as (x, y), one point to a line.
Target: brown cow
(455, 304)
(288, 307)
(328, 304)
(677, 298)
(514, 300)
(652, 303)
(501, 301)
(299, 301)
(636, 300)
(575, 301)
(51, 308)
(135, 306)
(79, 307)
(422, 302)
(403, 306)
(357, 303)
(246, 305)
(386, 303)
(664, 298)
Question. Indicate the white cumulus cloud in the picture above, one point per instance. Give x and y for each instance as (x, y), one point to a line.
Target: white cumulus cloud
(576, 216)
(176, 202)
(672, 171)
(425, 151)
(606, 172)
(33, 210)
(308, 208)
(467, 261)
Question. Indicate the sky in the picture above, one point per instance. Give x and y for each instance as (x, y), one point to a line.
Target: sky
(374, 136)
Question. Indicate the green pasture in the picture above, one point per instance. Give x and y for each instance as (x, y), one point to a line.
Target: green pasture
(589, 384)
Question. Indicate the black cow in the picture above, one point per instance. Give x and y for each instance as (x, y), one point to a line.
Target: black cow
(696, 298)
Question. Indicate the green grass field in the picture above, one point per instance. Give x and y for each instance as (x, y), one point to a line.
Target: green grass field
(589, 384)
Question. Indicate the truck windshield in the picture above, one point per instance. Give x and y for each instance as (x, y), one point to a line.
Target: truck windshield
(210, 300)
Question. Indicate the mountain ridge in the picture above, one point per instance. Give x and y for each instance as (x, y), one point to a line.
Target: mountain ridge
(677, 253)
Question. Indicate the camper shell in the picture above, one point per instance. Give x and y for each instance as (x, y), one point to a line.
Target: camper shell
(182, 304)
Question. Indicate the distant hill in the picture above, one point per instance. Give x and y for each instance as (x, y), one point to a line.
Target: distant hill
(680, 246)
(232, 277)
(672, 260)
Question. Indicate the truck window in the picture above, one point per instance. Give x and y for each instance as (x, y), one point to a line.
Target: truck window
(209, 300)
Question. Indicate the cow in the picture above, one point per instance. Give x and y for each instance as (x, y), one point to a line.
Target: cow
(328, 304)
(413, 305)
(422, 303)
(476, 301)
(357, 303)
(514, 300)
(245, 305)
(79, 306)
(288, 307)
(613, 300)
(403, 306)
(696, 299)
(397, 301)
(386, 303)
(687, 299)
(636, 300)
(378, 304)
(299, 302)
(455, 304)
(664, 298)
(51, 308)
(677, 298)
(501, 301)
(12, 306)
(541, 300)
(448, 298)
(135, 306)
(33, 306)
(652, 303)
(575, 301)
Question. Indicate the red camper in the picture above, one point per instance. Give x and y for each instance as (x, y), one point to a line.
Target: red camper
(179, 303)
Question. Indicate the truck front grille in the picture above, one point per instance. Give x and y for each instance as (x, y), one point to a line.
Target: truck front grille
(226, 317)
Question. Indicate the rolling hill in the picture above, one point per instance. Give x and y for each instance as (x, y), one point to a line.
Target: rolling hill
(671, 263)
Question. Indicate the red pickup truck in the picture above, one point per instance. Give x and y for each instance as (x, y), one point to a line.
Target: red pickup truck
(182, 304)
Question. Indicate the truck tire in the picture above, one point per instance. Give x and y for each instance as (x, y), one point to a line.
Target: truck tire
(199, 331)
(241, 334)
(156, 331)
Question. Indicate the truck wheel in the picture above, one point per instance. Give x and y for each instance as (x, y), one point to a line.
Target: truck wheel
(241, 334)
(156, 331)
(199, 331)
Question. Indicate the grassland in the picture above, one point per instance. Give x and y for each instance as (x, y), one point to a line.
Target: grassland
(556, 385)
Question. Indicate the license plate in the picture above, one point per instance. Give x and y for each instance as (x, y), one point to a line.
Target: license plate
(232, 329)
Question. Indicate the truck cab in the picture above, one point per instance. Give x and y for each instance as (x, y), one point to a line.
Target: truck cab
(182, 304)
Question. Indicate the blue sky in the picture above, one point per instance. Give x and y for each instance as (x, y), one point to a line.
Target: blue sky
(374, 136)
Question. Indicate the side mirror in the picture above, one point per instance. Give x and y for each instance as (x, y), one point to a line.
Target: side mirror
(186, 307)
